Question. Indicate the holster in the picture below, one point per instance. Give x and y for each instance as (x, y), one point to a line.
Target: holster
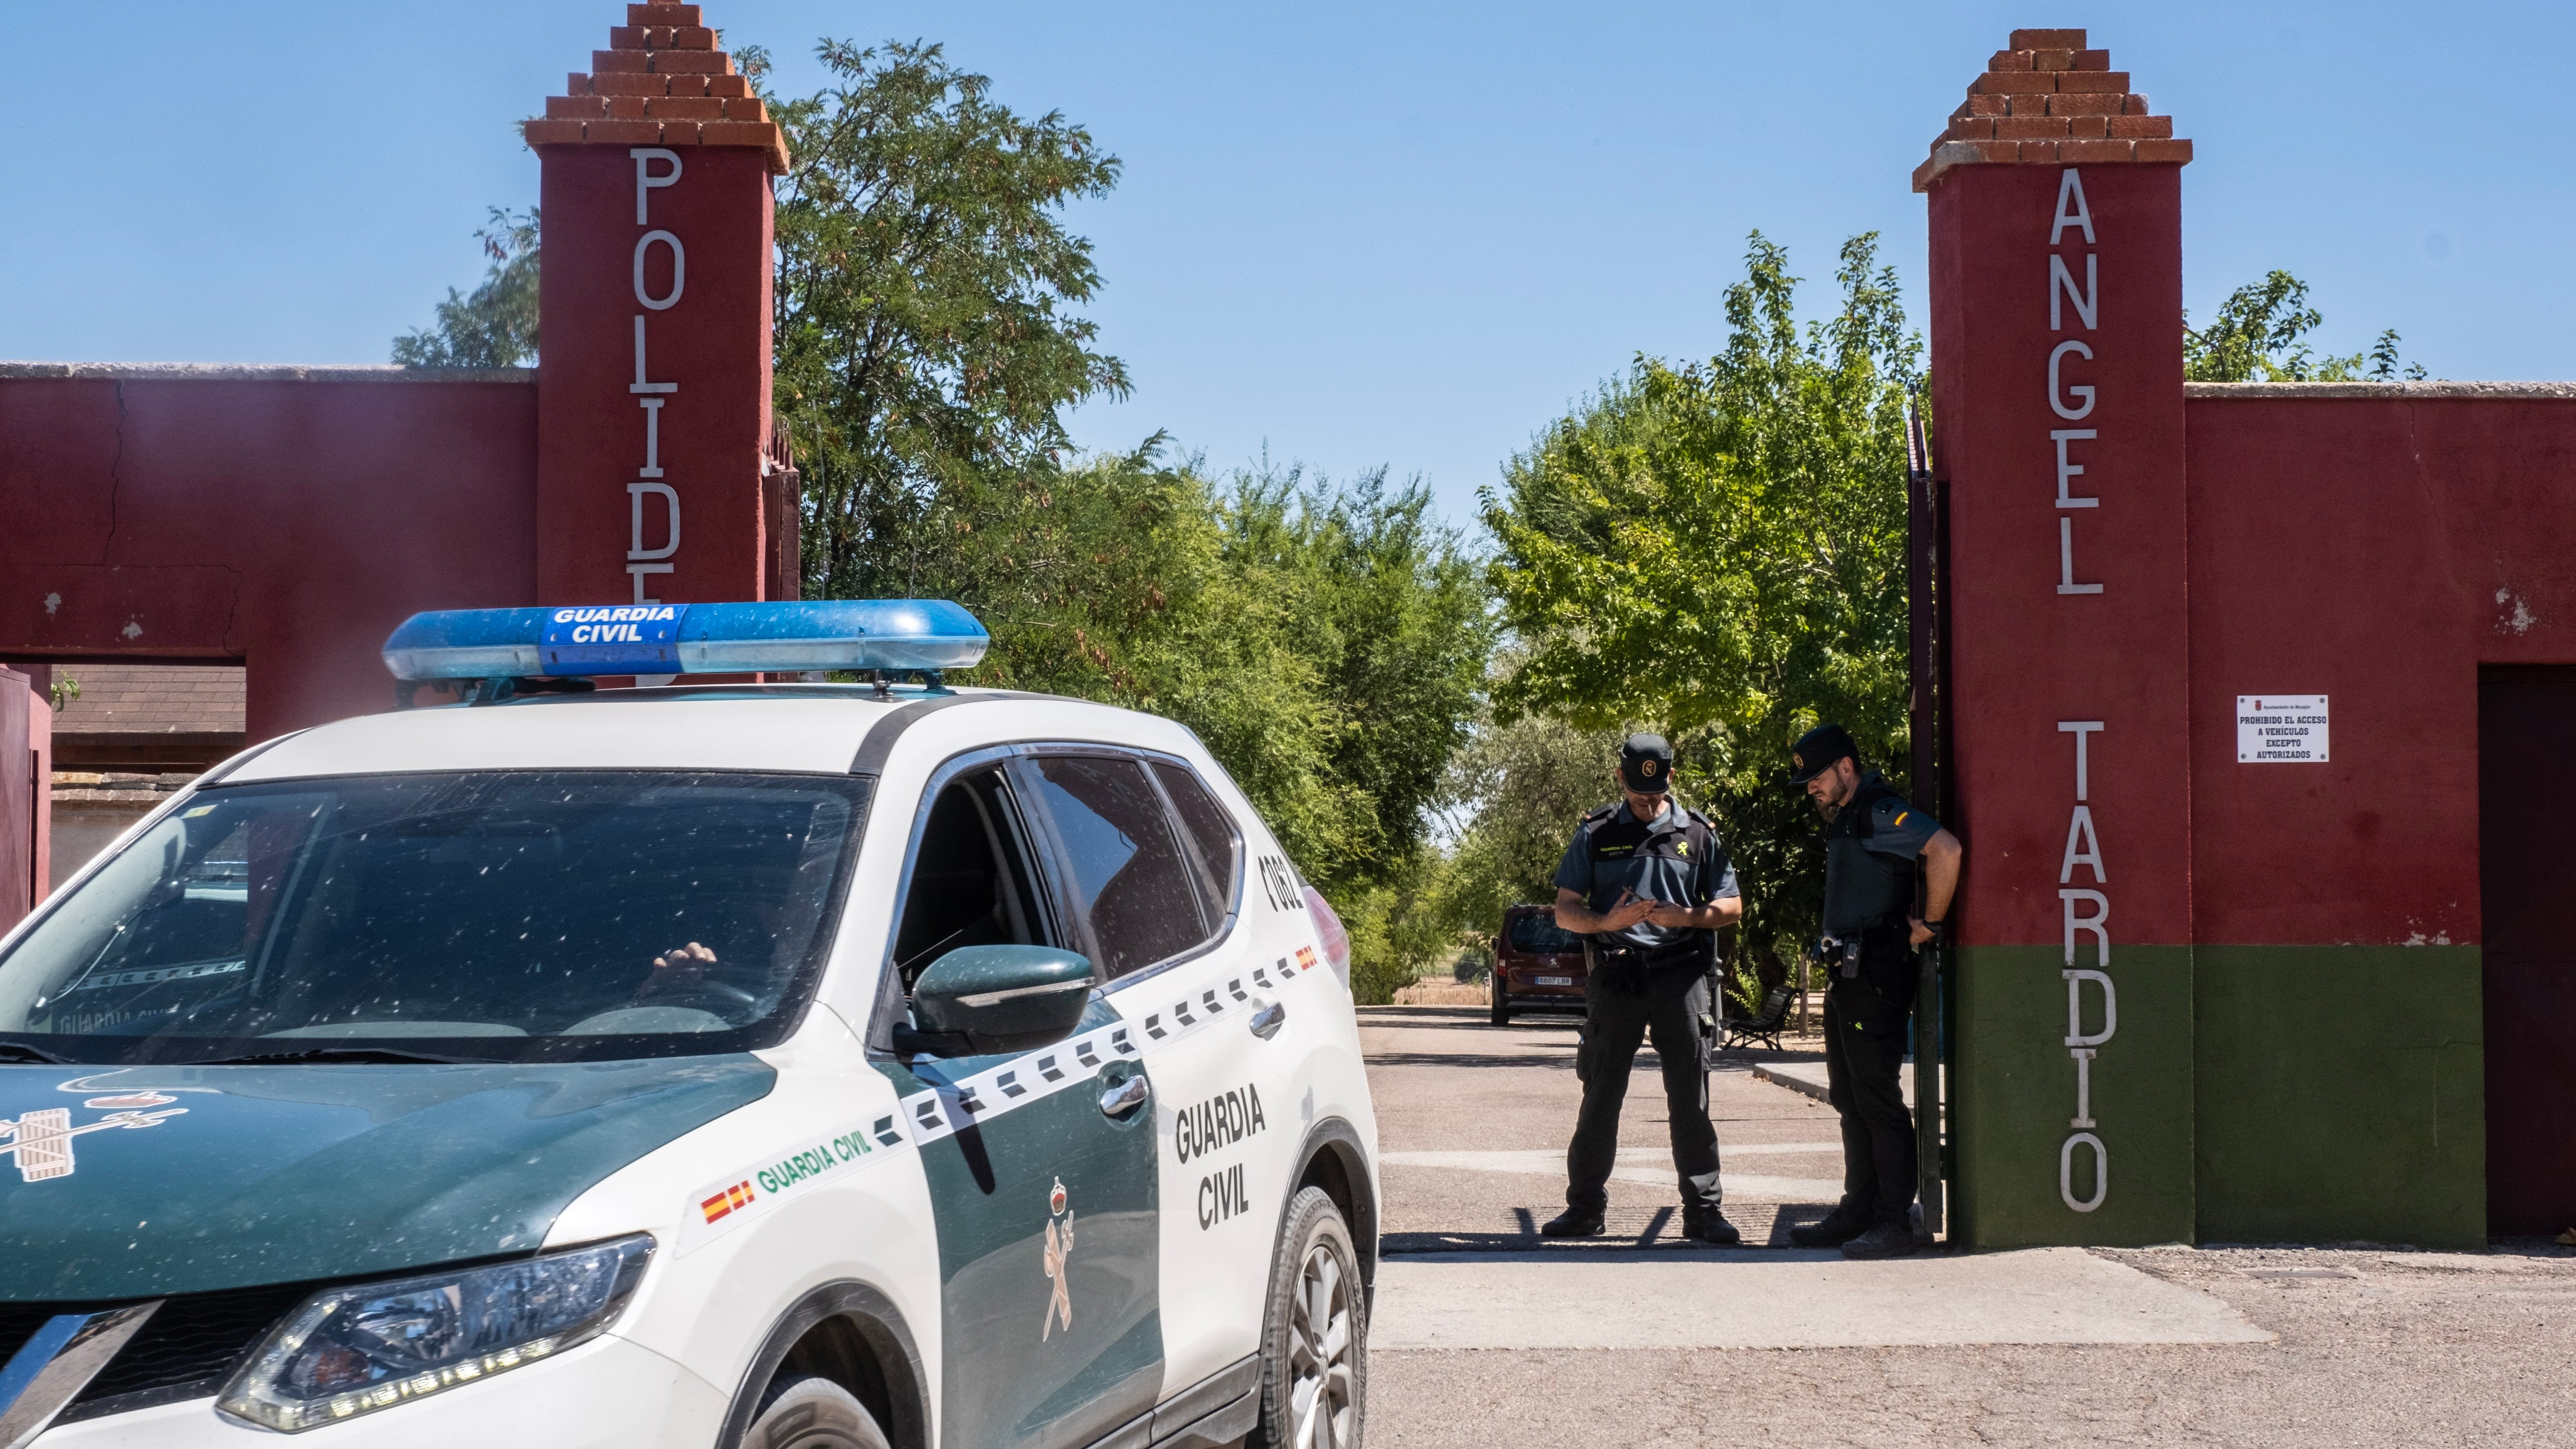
(1878, 961)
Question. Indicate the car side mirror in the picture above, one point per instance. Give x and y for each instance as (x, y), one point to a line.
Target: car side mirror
(978, 1000)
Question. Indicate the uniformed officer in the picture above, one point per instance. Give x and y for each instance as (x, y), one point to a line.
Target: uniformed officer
(1648, 884)
(1876, 844)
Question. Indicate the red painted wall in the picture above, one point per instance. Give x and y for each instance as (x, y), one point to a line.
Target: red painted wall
(286, 523)
(2024, 655)
(2377, 551)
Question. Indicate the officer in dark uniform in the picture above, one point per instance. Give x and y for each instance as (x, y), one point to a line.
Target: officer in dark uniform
(1876, 846)
(1648, 884)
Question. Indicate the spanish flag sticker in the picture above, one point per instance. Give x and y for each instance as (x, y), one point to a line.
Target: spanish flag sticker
(737, 1196)
(1901, 814)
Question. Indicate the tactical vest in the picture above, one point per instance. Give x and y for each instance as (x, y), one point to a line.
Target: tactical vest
(1864, 890)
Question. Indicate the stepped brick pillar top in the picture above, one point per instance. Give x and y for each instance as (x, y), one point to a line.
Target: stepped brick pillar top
(2046, 100)
(653, 418)
(2057, 415)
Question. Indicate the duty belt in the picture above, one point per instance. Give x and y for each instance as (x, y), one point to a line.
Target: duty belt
(1843, 953)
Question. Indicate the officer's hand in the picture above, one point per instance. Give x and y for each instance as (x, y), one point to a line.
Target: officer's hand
(1670, 916)
(1919, 930)
(1628, 912)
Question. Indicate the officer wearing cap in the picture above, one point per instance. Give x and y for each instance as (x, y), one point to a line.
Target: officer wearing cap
(1648, 884)
(1877, 848)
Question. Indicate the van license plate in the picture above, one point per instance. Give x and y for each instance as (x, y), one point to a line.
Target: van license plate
(1555, 980)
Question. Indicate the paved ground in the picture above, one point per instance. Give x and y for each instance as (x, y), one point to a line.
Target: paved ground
(1613, 1344)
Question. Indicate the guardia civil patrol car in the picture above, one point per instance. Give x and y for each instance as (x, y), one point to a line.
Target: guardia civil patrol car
(767, 1065)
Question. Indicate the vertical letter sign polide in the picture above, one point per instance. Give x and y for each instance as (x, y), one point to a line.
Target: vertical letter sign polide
(653, 370)
(2057, 399)
(641, 560)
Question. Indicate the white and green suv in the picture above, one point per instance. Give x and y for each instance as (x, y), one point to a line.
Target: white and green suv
(771, 1065)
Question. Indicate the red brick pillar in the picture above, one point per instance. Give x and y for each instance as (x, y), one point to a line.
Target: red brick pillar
(2056, 289)
(654, 347)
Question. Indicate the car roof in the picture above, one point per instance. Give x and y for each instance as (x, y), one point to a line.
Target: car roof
(798, 729)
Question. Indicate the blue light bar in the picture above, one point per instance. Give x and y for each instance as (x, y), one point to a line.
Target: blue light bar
(686, 639)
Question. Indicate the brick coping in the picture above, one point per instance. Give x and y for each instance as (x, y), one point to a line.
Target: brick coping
(259, 372)
(2500, 391)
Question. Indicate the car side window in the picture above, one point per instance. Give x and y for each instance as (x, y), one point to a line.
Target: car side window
(971, 879)
(1127, 876)
(1210, 829)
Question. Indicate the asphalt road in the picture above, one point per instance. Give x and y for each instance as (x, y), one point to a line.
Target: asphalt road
(2245, 1346)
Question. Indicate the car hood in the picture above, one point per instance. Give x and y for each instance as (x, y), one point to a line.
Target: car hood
(136, 1182)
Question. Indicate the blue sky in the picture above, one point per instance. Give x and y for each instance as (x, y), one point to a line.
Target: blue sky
(1350, 234)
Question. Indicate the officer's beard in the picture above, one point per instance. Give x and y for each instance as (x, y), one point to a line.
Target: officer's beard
(1828, 809)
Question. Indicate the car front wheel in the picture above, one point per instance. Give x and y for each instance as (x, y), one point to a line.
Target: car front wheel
(1314, 1377)
(812, 1413)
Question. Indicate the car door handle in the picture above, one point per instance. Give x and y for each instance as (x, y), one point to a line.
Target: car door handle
(1267, 1021)
(1126, 1097)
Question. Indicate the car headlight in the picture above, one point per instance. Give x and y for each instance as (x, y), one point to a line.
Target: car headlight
(354, 1350)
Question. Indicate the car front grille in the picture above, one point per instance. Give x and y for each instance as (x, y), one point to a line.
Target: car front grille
(184, 1351)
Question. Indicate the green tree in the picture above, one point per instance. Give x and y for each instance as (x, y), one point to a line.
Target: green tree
(497, 325)
(1519, 788)
(1327, 643)
(924, 272)
(2260, 335)
(1718, 552)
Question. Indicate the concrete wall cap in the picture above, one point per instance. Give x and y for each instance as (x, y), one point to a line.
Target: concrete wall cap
(2499, 391)
(256, 372)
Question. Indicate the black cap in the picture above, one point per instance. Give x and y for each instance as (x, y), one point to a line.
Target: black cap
(1816, 751)
(1646, 764)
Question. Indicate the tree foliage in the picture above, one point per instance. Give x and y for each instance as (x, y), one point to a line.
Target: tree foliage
(1327, 643)
(497, 325)
(2260, 335)
(1519, 788)
(924, 270)
(1717, 551)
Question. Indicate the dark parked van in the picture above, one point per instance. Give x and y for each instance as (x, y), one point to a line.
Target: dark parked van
(1536, 966)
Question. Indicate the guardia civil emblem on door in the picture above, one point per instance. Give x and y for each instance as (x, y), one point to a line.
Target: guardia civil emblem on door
(1059, 1246)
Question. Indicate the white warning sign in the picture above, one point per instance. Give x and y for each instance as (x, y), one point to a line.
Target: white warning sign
(2280, 729)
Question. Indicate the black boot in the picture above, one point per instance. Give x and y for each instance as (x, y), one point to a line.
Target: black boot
(1883, 1240)
(1572, 1223)
(1708, 1225)
(1839, 1227)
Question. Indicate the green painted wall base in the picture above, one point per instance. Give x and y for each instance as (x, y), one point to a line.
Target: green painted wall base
(2342, 1094)
(2015, 1101)
(2249, 1094)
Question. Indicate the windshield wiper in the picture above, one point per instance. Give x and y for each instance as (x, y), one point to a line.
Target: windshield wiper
(294, 1056)
(18, 1051)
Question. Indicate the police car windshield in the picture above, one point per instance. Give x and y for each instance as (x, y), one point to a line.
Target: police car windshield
(555, 915)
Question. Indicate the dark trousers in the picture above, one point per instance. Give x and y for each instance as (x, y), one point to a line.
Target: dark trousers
(1864, 1049)
(1668, 1012)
